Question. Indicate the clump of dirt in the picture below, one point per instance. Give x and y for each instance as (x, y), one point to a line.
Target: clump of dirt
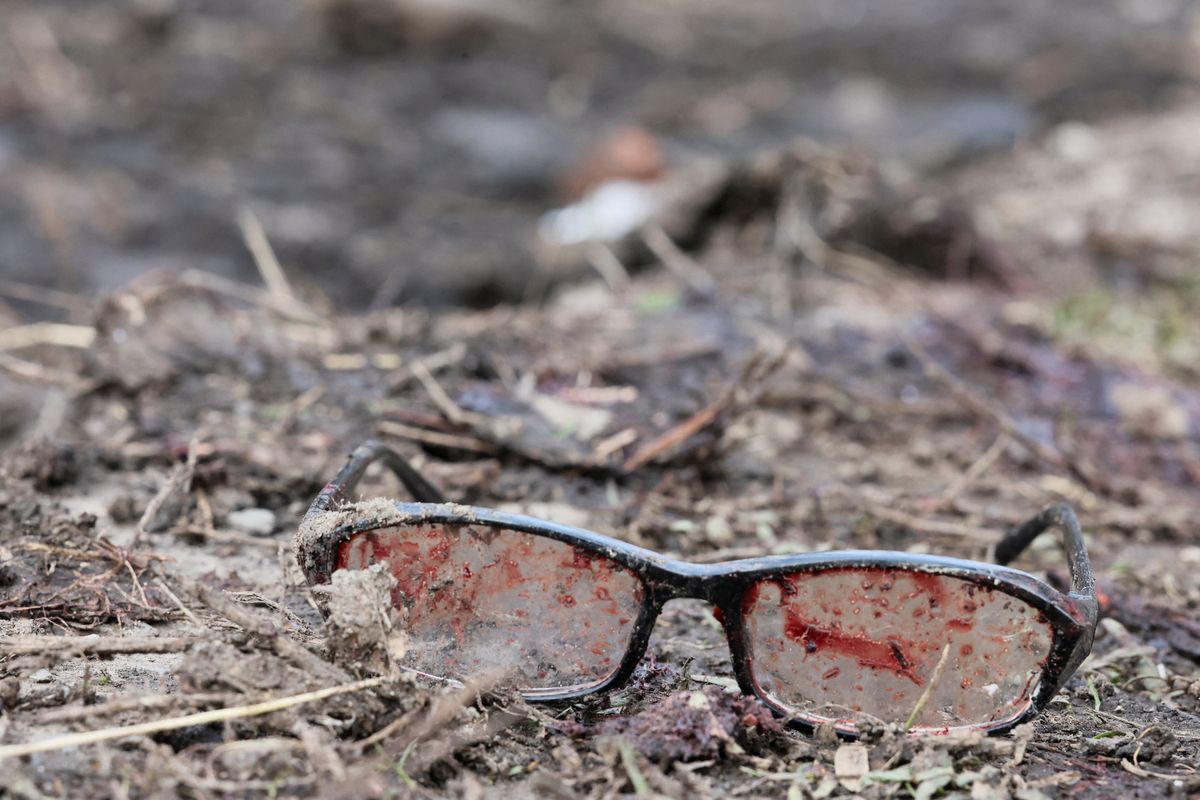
(50, 465)
(57, 568)
(699, 724)
(221, 666)
(364, 631)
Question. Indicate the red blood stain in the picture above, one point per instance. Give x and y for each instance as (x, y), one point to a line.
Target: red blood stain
(750, 598)
(888, 655)
(581, 559)
(966, 650)
(440, 551)
(960, 625)
(831, 674)
(566, 600)
(932, 587)
(602, 593)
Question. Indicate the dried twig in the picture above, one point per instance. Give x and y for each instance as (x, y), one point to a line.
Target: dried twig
(93, 645)
(46, 296)
(186, 721)
(47, 333)
(169, 503)
(187, 612)
(677, 435)
(976, 404)
(450, 409)
(268, 265)
(610, 268)
(756, 370)
(226, 537)
(121, 705)
(469, 443)
(679, 263)
(432, 363)
(422, 721)
(32, 371)
(974, 472)
(210, 281)
(934, 526)
(283, 645)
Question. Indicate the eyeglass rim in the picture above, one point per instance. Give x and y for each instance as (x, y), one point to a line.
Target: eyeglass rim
(1072, 615)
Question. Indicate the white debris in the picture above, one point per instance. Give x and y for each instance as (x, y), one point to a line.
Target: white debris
(254, 521)
(611, 211)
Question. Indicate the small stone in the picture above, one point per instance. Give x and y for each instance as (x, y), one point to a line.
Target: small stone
(41, 676)
(254, 521)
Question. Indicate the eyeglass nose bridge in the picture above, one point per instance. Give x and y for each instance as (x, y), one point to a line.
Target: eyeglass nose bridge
(683, 581)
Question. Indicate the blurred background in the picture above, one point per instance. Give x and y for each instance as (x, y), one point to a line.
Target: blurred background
(401, 152)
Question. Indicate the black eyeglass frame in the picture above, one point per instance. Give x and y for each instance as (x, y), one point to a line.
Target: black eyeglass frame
(1072, 615)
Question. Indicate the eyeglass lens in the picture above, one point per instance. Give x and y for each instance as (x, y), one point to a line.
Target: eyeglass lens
(837, 645)
(478, 599)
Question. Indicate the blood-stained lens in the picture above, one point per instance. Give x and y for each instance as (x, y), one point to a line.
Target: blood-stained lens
(840, 644)
(478, 599)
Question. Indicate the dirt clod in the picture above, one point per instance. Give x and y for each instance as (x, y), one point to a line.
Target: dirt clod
(697, 724)
(364, 629)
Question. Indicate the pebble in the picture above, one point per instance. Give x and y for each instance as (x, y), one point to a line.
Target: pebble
(254, 521)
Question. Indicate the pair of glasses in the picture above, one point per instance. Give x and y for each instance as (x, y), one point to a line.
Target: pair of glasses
(840, 638)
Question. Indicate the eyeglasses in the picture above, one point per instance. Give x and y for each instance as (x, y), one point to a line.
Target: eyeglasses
(838, 637)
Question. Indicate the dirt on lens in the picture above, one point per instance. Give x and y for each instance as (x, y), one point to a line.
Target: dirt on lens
(912, 344)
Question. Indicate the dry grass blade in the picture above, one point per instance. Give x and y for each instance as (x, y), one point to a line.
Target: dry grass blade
(264, 258)
(186, 721)
(923, 700)
(47, 333)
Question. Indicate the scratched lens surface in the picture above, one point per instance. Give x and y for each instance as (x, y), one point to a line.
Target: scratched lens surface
(840, 644)
(477, 599)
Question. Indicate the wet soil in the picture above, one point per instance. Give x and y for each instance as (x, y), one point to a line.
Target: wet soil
(909, 359)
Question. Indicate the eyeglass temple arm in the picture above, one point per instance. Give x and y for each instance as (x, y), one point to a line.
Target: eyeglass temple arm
(364, 456)
(1059, 516)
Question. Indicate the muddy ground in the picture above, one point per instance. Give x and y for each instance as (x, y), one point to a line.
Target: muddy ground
(956, 337)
